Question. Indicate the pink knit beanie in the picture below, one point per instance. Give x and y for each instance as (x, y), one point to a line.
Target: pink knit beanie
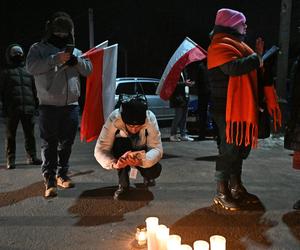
(229, 18)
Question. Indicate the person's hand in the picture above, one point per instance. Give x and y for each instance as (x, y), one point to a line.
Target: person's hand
(122, 161)
(63, 57)
(133, 161)
(72, 61)
(189, 83)
(259, 46)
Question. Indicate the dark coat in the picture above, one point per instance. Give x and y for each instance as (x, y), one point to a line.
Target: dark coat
(17, 89)
(292, 130)
(179, 99)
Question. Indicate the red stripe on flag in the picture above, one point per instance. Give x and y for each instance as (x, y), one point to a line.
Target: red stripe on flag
(195, 54)
(92, 116)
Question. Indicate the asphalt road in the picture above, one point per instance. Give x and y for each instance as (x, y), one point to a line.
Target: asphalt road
(86, 217)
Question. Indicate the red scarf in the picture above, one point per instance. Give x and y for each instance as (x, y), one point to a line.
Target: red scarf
(242, 92)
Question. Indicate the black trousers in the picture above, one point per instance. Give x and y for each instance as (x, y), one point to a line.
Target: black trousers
(231, 156)
(12, 122)
(121, 146)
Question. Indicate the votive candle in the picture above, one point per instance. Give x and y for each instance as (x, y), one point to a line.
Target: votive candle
(217, 242)
(201, 245)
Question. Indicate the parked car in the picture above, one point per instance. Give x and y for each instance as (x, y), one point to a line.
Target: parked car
(160, 107)
(146, 86)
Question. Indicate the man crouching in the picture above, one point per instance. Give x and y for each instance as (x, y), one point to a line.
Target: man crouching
(130, 138)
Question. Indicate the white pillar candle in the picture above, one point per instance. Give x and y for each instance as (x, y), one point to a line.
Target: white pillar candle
(162, 235)
(185, 247)
(201, 245)
(151, 224)
(174, 242)
(217, 242)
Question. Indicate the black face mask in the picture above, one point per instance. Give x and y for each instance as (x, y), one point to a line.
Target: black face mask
(58, 42)
(17, 59)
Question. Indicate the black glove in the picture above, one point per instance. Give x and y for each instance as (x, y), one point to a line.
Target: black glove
(72, 61)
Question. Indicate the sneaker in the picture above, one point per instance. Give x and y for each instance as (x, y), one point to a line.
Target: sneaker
(186, 138)
(174, 138)
(50, 184)
(64, 181)
(34, 161)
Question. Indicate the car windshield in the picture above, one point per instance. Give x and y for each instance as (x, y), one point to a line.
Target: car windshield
(130, 88)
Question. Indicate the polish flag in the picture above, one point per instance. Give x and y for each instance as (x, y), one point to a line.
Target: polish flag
(186, 53)
(100, 90)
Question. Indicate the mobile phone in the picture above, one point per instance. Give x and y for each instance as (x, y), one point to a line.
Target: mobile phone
(69, 48)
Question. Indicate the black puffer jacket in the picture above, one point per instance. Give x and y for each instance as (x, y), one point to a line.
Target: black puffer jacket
(292, 131)
(17, 88)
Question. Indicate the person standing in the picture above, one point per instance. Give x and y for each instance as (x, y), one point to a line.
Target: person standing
(19, 103)
(232, 70)
(56, 68)
(179, 101)
(130, 138)
(292, 130)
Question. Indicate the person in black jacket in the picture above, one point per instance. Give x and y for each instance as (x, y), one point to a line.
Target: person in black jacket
(19, 103)
(179, 101)
(231, 65)
(292, 130)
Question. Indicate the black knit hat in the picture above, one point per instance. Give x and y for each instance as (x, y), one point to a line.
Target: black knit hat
(133, 111)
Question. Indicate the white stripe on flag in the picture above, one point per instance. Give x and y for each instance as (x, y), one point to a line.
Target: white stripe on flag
(110, 58)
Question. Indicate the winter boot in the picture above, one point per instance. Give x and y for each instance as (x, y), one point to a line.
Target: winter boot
(50, 184)
(239, 192)
(224, 198)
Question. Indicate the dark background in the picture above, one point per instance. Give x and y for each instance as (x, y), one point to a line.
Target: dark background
(148, 32)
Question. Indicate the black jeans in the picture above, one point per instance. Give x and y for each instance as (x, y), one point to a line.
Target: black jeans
(121, 146)
(58, 127)
(11, 123)
(231, 156)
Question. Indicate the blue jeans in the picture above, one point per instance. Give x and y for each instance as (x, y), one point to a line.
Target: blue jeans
(179, 121)
(58, 127)
(230, 159)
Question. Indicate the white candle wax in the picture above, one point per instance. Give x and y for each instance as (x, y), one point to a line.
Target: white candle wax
(162, 235)
(185, 247)
(201, 245)
(151, 224)
(174, 242)
(217, 242)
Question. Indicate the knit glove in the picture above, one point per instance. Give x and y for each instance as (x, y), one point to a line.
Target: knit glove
(272, 105)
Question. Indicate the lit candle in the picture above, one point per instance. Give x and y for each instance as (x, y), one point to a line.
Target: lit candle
(152, 224)
(141, 235)
(185, 247)
(201, 245)
(162, 235)
(217, 242)
(174, 242)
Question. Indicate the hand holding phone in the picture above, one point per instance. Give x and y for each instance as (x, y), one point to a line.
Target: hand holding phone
(69, 48)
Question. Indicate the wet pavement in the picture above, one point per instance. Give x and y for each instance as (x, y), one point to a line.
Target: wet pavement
(86, 217)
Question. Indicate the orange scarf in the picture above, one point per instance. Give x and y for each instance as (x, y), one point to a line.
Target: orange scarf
(242, 92)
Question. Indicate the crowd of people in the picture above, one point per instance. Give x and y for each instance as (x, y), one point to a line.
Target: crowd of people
(47, 85)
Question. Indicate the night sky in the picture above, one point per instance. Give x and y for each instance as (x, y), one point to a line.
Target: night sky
(148, 32)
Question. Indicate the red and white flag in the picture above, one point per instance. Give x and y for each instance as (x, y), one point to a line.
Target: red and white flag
(100, 90)
(186, 53)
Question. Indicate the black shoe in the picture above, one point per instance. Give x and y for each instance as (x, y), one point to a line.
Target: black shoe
(297, 205)
(121, 191)
(149, 182)
(240, 193)
(34, 161)
(226, 202)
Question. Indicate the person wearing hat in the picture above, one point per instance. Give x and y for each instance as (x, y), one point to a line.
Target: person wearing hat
(130, 138)
(57, 66)
(233, 69)
(18, 96)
